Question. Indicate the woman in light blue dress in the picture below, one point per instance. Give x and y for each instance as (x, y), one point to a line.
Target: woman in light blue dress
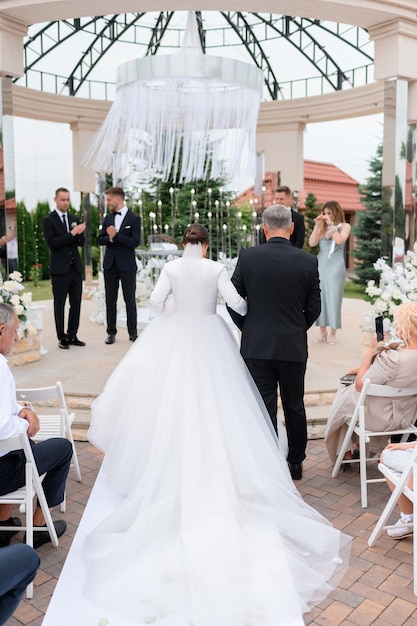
(330, 232)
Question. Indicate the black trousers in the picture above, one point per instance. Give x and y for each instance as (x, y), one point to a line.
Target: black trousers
(63, 285)
(289, 375)
(18, 566)
(52, 457)
(112, 278)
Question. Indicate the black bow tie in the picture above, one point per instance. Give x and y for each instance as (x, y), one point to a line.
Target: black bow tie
(117, 212)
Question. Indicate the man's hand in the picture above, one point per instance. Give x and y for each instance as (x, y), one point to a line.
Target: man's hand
(78, 229)
(32, 418)
(111, 231)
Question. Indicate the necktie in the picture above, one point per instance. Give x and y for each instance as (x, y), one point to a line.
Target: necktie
(64, 219)
(117, 212)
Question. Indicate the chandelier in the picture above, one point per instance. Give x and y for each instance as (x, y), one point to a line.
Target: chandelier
(185, 116)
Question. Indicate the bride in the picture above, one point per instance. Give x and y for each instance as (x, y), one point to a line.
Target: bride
(210, 530)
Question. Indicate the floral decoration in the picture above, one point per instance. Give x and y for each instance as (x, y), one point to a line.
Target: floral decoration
(397, 284)
(11, 293)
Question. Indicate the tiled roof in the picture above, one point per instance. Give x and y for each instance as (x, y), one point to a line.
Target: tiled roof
(325, 180)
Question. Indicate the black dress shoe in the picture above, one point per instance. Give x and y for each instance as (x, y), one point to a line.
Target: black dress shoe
(40, 537)
(133, 337)
(64, 344)
(110, 339)
(296, 470)
(74, 341)
(6, 535)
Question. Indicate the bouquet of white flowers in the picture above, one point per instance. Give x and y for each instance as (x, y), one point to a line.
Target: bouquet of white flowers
(396, 285)
(11, 293)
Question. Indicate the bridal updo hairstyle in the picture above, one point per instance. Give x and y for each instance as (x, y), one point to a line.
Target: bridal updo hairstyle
(196, 233)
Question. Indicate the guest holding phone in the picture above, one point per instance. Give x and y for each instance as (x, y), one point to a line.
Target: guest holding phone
(386, 363)
(330, 232)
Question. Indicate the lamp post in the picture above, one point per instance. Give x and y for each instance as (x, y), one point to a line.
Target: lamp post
(192, 204)
(238, 226)
(209, 216)
(171, 194)
(216, 204)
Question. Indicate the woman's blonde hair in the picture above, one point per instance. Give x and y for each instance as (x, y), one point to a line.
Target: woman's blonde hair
(338, 217)
(406, 321)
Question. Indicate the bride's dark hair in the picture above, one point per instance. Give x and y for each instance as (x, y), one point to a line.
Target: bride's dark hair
(196, 233)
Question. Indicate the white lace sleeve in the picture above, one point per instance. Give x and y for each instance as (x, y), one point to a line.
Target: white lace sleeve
(160, 293)
(230, 294)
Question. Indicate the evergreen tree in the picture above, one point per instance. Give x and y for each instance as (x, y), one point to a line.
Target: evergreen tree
(310, 213)
(367, 230)
(42, 250)
(184, 201)
(26, 240)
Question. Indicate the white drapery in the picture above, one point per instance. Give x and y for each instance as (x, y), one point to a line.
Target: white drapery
(187, 115)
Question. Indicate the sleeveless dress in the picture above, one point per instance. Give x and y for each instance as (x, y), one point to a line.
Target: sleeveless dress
(210, 530)
(332, 273)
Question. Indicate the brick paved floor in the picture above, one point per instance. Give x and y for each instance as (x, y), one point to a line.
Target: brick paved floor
(377, 589)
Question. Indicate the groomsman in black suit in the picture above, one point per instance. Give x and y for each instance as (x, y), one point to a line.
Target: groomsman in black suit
(281, 285)
(63, 234)
(120, 233)
(283, 196)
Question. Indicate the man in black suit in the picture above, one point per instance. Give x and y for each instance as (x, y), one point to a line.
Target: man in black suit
(281, 284)
(283, 196)
(120, 233)
(63, 234)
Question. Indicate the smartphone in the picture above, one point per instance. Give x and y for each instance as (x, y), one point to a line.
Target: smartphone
(379, 328)
(347, 379)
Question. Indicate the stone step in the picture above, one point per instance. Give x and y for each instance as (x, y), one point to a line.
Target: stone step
(317, 411)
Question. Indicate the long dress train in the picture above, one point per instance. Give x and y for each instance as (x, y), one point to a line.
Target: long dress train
(210, 530)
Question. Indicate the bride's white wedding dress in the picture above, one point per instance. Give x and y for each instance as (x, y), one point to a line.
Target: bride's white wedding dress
(210, 530)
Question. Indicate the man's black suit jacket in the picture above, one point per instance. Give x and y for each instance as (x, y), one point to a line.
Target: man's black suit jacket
(281, 284)
(122, 250)
(63, 246)
(299, 232)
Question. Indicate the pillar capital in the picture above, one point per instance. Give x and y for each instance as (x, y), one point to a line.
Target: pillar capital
(395, 49)
(12, 33)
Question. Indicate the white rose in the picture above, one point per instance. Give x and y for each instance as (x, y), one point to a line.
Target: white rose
(27, 298)
(9, 285)
(18, 309)
(15, 300)
(16, 276)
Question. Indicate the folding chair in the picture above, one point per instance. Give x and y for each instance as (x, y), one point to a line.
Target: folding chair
(357, 425)
(25, 495)
(400, 481)
(52, 424)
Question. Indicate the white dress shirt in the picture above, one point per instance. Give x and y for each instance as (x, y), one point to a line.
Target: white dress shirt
(10, 422)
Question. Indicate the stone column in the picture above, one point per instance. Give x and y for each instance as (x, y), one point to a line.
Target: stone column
(8, 223)
(12, 32)
(395, 54)
(283, 147)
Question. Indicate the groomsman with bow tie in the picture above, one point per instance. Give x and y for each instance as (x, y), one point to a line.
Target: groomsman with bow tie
(120, 233)
(64, 233)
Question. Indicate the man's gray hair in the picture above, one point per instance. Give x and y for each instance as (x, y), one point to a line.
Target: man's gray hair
(7, 314)
(277, 217)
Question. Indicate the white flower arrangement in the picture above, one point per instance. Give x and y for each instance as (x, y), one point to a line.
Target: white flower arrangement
(397, 284)
(11, 293)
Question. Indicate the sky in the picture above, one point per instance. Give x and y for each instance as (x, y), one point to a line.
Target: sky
(43, 154)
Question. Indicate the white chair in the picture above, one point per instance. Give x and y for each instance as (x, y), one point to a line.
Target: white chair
(24, 496)
(400, 481)
(55, 421)
(357, 425)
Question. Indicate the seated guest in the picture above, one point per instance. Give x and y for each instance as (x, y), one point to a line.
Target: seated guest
(396, 456)
(18, 566)
(393, 364)
(52, 457)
